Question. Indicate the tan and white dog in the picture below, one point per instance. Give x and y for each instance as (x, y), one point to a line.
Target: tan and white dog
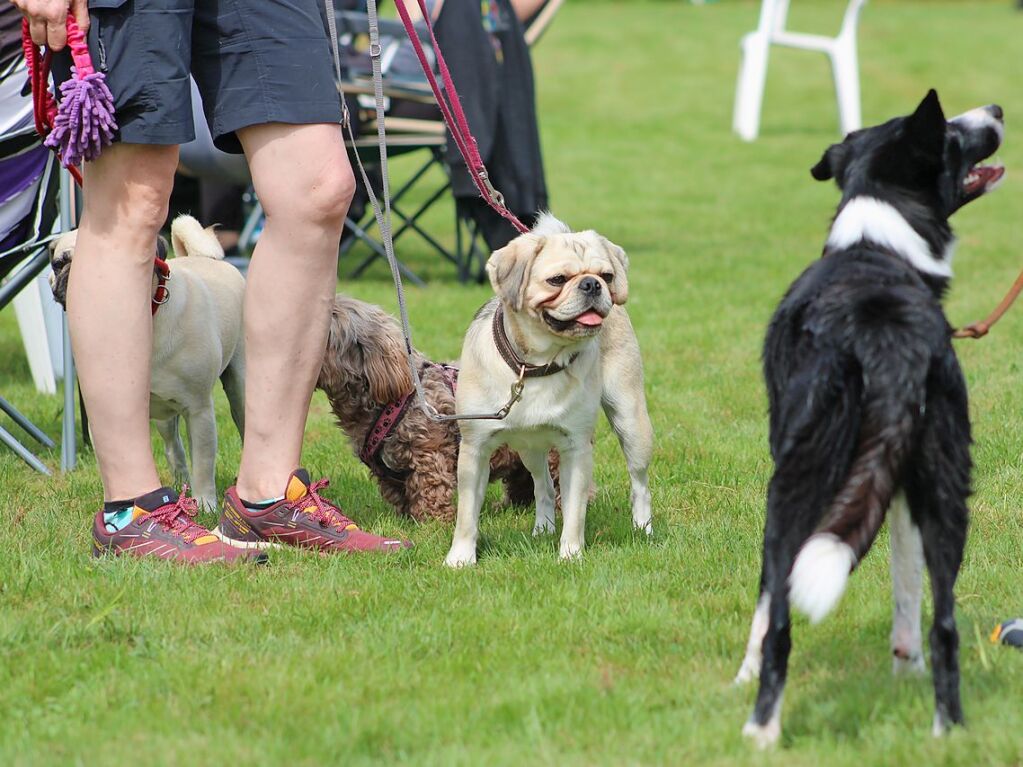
(197, 338)
(558, 319)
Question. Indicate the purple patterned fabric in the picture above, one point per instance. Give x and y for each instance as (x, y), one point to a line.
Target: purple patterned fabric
(21, 171)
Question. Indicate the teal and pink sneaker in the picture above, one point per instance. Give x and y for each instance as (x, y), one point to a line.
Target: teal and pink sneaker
(163, 527)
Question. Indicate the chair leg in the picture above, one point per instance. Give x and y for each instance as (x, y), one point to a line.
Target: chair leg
(749, 94)
(68, 435)
(845, 70)
(8, 439)
(24, 423)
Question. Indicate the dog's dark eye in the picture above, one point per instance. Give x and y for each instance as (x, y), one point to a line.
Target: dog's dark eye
(558, 279)
(607, 277)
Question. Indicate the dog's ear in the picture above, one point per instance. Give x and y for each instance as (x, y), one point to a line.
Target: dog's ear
(926, 127)
(364, 345)
(386, 365)
(510, 267)
(619, 286)
(831, 163)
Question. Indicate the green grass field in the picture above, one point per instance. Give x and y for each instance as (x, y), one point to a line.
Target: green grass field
(625, 657)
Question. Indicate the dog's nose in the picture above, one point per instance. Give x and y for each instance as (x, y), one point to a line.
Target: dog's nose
(589, 285)
(996, 112)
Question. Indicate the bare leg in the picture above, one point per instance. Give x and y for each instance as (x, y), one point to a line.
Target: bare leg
(108, 307)
(305, 184)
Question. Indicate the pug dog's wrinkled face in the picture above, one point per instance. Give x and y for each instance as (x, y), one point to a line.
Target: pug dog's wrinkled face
(61, 252)
(567, 281)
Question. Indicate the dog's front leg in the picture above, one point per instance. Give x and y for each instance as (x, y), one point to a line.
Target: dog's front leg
(576, 476)
(202, 440)
(473, 476)
(543, 489)
(172, 447)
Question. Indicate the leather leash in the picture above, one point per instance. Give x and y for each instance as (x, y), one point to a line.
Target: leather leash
(980, 329)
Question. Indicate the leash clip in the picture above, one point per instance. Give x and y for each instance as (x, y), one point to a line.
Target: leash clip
(515, 394)
(492, 190)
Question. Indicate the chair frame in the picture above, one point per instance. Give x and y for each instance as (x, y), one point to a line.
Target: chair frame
(841, 50)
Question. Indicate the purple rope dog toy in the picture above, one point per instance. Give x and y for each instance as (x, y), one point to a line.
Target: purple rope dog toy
(85, 122)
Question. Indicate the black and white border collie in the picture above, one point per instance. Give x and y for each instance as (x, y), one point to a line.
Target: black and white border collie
(867, 401)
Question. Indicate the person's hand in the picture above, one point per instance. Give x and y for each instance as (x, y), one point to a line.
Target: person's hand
(47, 19)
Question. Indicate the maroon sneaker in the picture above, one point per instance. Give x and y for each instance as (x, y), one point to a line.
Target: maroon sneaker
(165, 529)
(303, 518)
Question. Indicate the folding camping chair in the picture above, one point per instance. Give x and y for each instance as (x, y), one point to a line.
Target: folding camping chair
(29, 211)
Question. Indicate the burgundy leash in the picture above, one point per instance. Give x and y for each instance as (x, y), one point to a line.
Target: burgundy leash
(454, 117)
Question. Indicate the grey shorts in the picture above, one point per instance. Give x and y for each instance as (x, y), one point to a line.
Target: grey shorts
(255, 62)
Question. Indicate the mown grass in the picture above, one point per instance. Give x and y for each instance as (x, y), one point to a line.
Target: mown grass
(626, 656)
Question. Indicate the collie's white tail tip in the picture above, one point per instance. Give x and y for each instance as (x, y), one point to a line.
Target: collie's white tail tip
(819, 575)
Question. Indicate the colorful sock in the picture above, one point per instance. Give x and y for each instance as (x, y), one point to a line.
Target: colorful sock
(261, 505)
(117, 515)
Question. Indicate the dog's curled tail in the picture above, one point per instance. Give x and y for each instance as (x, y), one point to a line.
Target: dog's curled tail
(845, 534)
(189, 238)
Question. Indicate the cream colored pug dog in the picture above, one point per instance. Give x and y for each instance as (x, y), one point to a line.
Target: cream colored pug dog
(558, 327)
(197, 338)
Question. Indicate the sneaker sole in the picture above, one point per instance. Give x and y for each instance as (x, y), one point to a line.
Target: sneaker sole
(261, 545)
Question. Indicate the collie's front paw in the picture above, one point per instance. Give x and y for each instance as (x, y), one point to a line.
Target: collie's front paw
(763, 736)
(461, 555)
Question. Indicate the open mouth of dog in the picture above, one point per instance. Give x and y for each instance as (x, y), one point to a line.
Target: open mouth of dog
(590, 319)
(982, 178)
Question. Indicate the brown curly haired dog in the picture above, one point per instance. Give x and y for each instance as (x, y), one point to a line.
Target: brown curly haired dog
(364, 370)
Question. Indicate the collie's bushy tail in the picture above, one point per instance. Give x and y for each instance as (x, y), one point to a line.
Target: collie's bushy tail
(851, 523)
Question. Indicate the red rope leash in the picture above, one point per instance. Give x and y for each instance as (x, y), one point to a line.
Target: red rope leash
(44, 105)
(454, 117)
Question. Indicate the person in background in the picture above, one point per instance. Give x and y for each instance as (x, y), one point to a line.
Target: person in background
(484, 45)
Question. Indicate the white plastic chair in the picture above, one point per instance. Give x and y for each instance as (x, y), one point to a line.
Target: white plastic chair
(749, 94)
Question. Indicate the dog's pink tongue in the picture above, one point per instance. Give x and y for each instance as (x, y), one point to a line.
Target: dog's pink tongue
(589, 318)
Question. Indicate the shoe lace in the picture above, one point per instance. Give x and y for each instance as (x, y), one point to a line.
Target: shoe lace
(320, 509)
(178, 517)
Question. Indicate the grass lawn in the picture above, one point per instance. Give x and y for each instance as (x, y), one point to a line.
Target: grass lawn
(627, 656)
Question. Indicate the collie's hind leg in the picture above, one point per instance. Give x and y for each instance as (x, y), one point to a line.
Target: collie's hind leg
(936, 489)
(942, 518)
(907, 589)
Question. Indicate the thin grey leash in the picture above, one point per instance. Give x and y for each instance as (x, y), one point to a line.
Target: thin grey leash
(383, 217)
